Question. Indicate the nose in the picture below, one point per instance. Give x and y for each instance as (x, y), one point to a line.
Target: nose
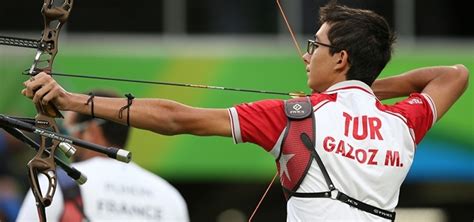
(306, 58)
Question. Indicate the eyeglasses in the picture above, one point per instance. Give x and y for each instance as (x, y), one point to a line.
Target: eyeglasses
(313, 45)
(80, 127)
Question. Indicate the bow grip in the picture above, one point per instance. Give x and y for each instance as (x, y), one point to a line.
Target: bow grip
(49, 110)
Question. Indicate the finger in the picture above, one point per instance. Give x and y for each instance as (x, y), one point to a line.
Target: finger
(48, 97)
(53, 93)
(27, 92)
(41, 92)
(44, 76)
(38, 81)
(35, 84)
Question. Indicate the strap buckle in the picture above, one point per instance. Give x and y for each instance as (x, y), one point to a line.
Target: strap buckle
(334, 194)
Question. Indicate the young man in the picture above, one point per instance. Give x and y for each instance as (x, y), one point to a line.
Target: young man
(361, 150)
(114, 191)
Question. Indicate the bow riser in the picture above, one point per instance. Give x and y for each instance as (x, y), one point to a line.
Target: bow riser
(54, 16)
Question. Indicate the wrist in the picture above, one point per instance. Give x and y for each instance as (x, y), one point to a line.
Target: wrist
(73, 102)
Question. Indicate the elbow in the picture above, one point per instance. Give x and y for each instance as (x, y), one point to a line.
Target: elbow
(167, 127)
(462, 75)
(165, 123)
(175, 123)
(462, 70)
(168, 130)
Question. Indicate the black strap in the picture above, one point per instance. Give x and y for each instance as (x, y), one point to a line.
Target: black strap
(309, 145)
(130, 98)
(338, 195)
(91, 101)
(365, 207)
(335, 194)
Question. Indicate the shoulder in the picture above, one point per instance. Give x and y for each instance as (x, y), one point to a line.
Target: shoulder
(319, 99)
(269, 105)
(416, 106)
(417, 111)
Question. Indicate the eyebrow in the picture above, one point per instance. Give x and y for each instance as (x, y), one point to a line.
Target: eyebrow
(316, 37)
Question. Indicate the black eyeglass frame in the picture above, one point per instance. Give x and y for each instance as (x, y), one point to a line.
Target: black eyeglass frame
(313, 45)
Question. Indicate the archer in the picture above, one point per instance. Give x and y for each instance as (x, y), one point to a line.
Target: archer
(344, 59)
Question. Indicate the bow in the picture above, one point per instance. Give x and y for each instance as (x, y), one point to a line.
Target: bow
(54, 17)
(44, 125)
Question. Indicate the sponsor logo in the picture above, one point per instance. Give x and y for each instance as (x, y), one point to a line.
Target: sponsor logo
(382, 213)
(415, 101)
(297, 109)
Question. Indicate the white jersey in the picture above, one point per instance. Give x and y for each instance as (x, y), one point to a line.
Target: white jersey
(366, 147)
(116, 191)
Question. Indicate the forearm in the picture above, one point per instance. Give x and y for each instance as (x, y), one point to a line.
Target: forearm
(417, 81)
(157, 115)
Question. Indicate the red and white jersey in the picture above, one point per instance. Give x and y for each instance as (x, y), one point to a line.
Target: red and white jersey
(367, 147)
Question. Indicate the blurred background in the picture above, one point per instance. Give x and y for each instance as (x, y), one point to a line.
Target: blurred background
(237, 44)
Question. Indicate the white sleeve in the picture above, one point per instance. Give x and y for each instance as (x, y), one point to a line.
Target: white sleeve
(432, 106)
(235, 125)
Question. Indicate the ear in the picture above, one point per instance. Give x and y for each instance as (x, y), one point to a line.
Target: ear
(342, 61)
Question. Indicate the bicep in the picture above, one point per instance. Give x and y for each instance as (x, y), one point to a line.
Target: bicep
(205, 122)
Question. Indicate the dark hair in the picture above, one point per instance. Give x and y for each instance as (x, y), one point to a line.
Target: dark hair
(365, 35)
(116, 134)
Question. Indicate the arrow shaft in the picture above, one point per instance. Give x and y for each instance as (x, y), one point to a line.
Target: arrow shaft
(172, 84)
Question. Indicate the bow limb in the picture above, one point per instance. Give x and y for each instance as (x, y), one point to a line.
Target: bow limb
(54, 18)
(290, 30)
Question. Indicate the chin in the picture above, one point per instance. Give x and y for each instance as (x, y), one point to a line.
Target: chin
(314, 88)
(311, 85)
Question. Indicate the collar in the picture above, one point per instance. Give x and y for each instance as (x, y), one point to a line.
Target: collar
(350, 84)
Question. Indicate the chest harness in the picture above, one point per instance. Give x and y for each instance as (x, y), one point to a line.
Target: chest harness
(298, 146)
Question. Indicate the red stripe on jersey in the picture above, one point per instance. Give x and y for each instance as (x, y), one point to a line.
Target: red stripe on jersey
(262, 122)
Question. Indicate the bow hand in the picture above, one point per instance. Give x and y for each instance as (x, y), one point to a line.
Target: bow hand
(44, 90)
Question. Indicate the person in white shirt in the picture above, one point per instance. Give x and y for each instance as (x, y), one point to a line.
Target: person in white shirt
(352, 166)
(114, 191)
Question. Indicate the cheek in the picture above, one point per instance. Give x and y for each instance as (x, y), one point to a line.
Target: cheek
(317, 69)
(313, 67)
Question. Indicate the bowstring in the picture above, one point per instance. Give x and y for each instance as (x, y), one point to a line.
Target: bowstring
(290, 30)
(300, 54)
(263, 197)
